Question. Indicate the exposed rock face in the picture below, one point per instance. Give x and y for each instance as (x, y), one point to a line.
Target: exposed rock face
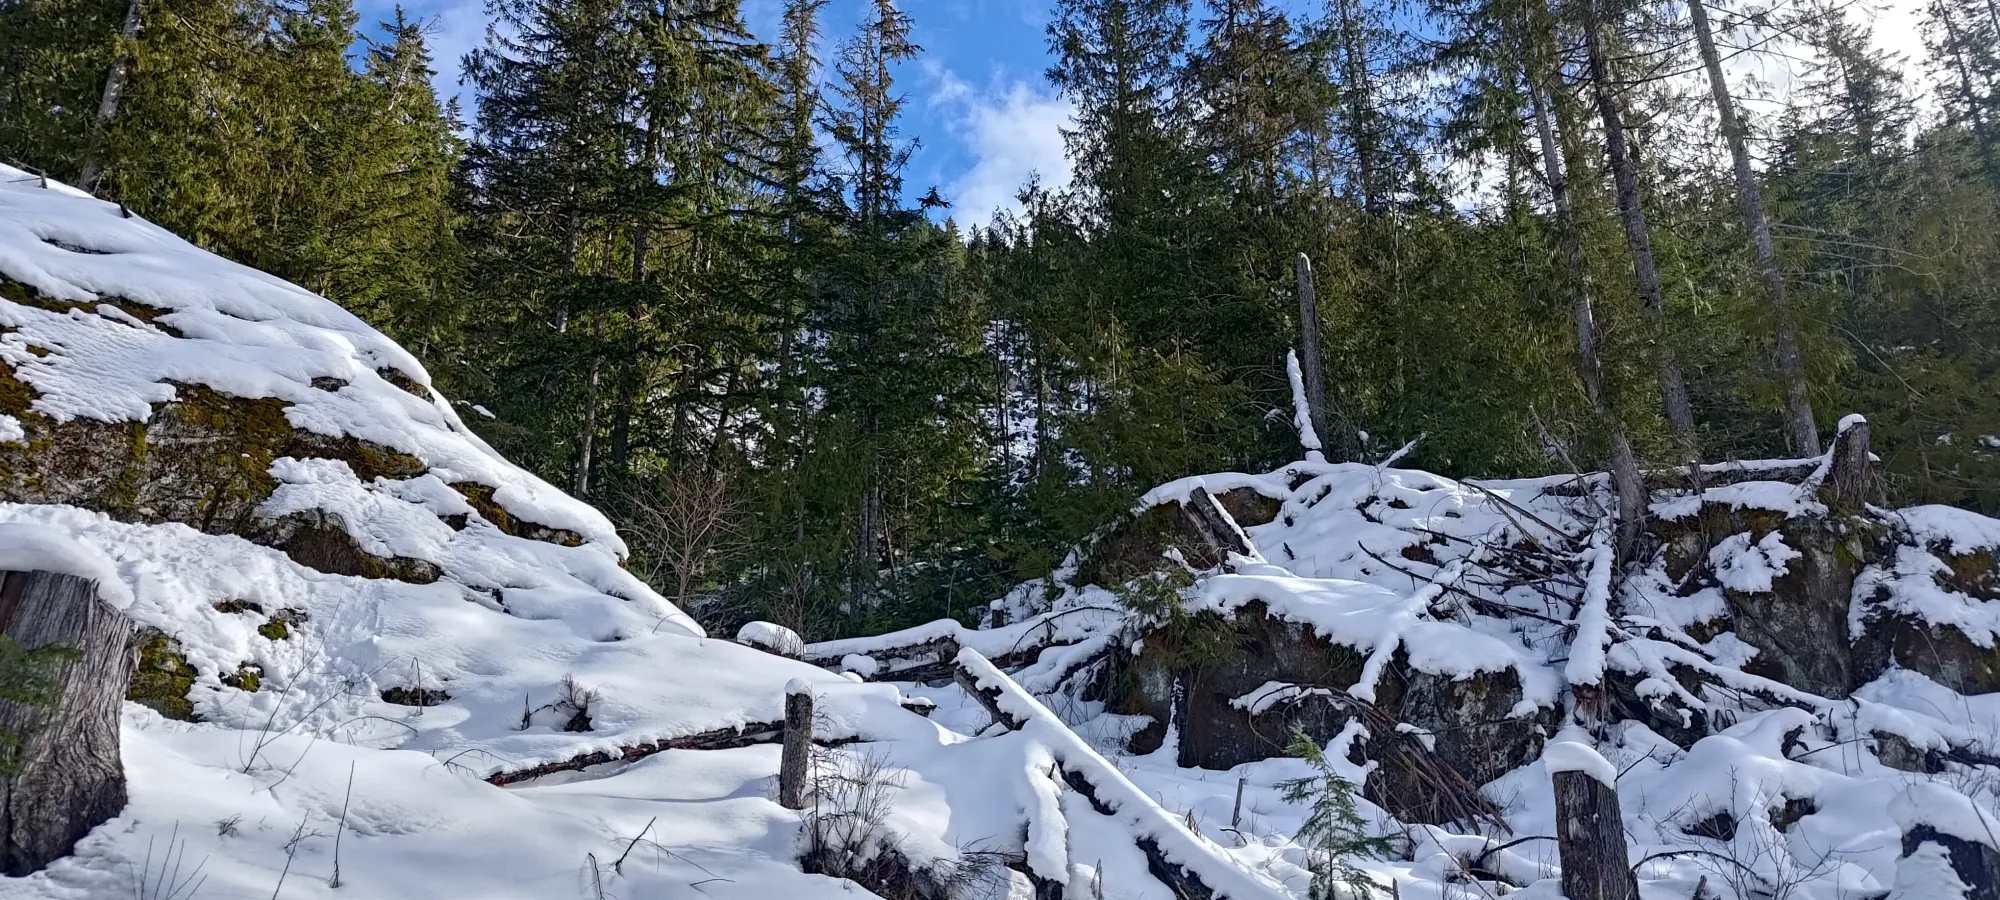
(1190, 675)
(1805, 613)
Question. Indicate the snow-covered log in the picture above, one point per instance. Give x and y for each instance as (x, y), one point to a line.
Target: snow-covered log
(64, 656)
(1184, 861)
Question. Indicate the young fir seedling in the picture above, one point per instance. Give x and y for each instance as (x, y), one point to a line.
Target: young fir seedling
(1334, 833)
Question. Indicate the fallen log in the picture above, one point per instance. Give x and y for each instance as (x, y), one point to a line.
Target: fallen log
(718, 739)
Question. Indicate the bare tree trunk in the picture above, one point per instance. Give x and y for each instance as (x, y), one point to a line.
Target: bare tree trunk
(60, 773)
(107, 102)
(1309, 356)
(587, 436)
(868, 519)
(1590, 837)
(1638, 238)
(621, 421)
(1625, 477)
(1798, 406)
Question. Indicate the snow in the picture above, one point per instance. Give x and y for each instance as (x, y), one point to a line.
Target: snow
(771, 637)
(1926, 874)
(243, 333)
(1948, 811)
(1572, 755)
(1383, 560)
(1130, 806)
(1751, 568)
(1771, 495)
(1593, 618)
(1909, 584)
(1960, 532)
(30, 548)
(1273, 693)
(1302, 410)
(11, 431)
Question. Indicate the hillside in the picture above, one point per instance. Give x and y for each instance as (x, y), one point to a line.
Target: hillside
(379, 660)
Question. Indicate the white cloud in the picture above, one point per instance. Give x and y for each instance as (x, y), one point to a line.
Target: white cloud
(1010, 132)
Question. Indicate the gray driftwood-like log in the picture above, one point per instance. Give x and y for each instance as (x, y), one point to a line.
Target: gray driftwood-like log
(796, 760)
(1590, 836)
(60, 773)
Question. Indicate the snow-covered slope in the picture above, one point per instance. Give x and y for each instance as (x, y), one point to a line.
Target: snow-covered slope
(330, 718)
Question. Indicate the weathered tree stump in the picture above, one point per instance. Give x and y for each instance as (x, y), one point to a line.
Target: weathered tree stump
(1850, 477)
(66, 665)
(1590, 836)
(795, 763)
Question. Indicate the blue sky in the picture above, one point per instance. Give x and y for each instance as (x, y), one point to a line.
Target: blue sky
(976, 100)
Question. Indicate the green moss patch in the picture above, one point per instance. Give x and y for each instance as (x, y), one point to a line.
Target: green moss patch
(248, 677)
(162, 677)
(415, 696)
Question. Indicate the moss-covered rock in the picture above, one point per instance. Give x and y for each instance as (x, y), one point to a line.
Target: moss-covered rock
(480, 497)
(248, 677)
(318, 540)
(402, 696)
(162, 677)
(1943, 654)
(1193, 671)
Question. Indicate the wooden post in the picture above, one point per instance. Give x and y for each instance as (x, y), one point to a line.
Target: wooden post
(1309, 368)
(1590, 837)
(60, 773)
(793, 766)
(1236, 813)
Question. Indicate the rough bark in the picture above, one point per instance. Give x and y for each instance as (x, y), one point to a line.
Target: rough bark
(1309, 356)
(1590, 837)
(1638, 239)
(1625, 478)
(64, 776)
(1798, 407)
(107, 102)
(793, 765)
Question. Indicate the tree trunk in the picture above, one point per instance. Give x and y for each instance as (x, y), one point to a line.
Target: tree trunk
(587, 437)
(794, 764)
(1798, 406)
(60, 773)
(1638, 239)
(1309, 356)
(107, 102)
(1625, 478)
(1590, 837)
